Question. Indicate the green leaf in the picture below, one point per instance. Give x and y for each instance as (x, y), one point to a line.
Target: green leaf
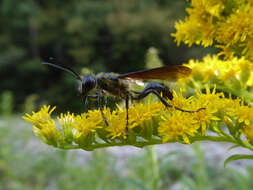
(232, 147)
(237, 157)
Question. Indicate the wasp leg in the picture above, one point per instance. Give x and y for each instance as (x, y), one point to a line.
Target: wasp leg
(163, 100)
(105, 100)
(127, 106)
(90, 96)
(101, 106)
(85, 99)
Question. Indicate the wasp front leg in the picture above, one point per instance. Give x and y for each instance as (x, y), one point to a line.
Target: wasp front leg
(101, 106)
(85, 98)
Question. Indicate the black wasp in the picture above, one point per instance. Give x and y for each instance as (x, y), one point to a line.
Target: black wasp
(118, 85)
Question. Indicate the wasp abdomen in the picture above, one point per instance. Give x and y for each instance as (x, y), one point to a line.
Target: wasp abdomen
(160, 88)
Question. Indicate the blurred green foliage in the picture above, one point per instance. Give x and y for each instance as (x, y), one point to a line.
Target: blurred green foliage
(26, 163)
(6, 103)
(102, 35)
(30, 103)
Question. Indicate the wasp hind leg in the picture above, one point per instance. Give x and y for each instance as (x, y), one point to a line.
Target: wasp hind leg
(127, 107)
(147, 91)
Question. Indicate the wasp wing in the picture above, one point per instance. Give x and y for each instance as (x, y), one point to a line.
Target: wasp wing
(162, 73)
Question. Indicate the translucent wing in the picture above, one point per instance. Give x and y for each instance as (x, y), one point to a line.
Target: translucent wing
(162, 73)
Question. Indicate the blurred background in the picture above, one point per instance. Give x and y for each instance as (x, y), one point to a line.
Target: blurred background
(99, 36)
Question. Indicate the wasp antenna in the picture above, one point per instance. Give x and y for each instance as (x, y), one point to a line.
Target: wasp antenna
(70, 71)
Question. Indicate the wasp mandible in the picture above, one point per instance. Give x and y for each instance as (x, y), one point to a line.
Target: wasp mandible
(118, 85)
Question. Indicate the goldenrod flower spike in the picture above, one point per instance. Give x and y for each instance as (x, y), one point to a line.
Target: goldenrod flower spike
(150, 123)
(233, 76)
(228, 23)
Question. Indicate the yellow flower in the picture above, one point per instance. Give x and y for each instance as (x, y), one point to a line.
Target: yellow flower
(117, 125)
(140, 113)
(210, 100)
(244, 114)
(247, 131)
(180, 101)
(248, 50)
(67, 122)
(186, 31)
(228, 23)
(237, 27)
(44, 126)
(205, 8)
(146, 122)
(89, 122)
(198, 27)
(177, 126)
(203, 118)
(40, 118)
(66, 119)
(228, 72)
(207, 29)
(48, 133)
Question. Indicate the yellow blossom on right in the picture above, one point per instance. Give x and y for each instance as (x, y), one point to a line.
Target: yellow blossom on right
(227, 23)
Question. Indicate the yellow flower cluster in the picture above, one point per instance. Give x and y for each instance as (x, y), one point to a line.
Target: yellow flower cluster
(150, 123)
(237, 71)
(233, 76)
(44, 125)
(228, 23)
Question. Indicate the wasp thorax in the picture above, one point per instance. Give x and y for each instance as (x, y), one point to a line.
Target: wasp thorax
(88, 83)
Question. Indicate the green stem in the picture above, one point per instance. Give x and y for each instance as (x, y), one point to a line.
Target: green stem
(214, 138)
(152, 142)
(243, 144)
(155, 168)
(95, 146)
(156, 141)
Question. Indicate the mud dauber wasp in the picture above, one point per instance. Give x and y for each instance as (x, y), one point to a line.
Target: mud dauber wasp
(118, 85)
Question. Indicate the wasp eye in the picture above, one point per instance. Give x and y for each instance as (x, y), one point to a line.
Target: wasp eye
(88, 83)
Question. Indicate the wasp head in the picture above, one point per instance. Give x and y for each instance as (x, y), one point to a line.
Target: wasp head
(88, 83)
